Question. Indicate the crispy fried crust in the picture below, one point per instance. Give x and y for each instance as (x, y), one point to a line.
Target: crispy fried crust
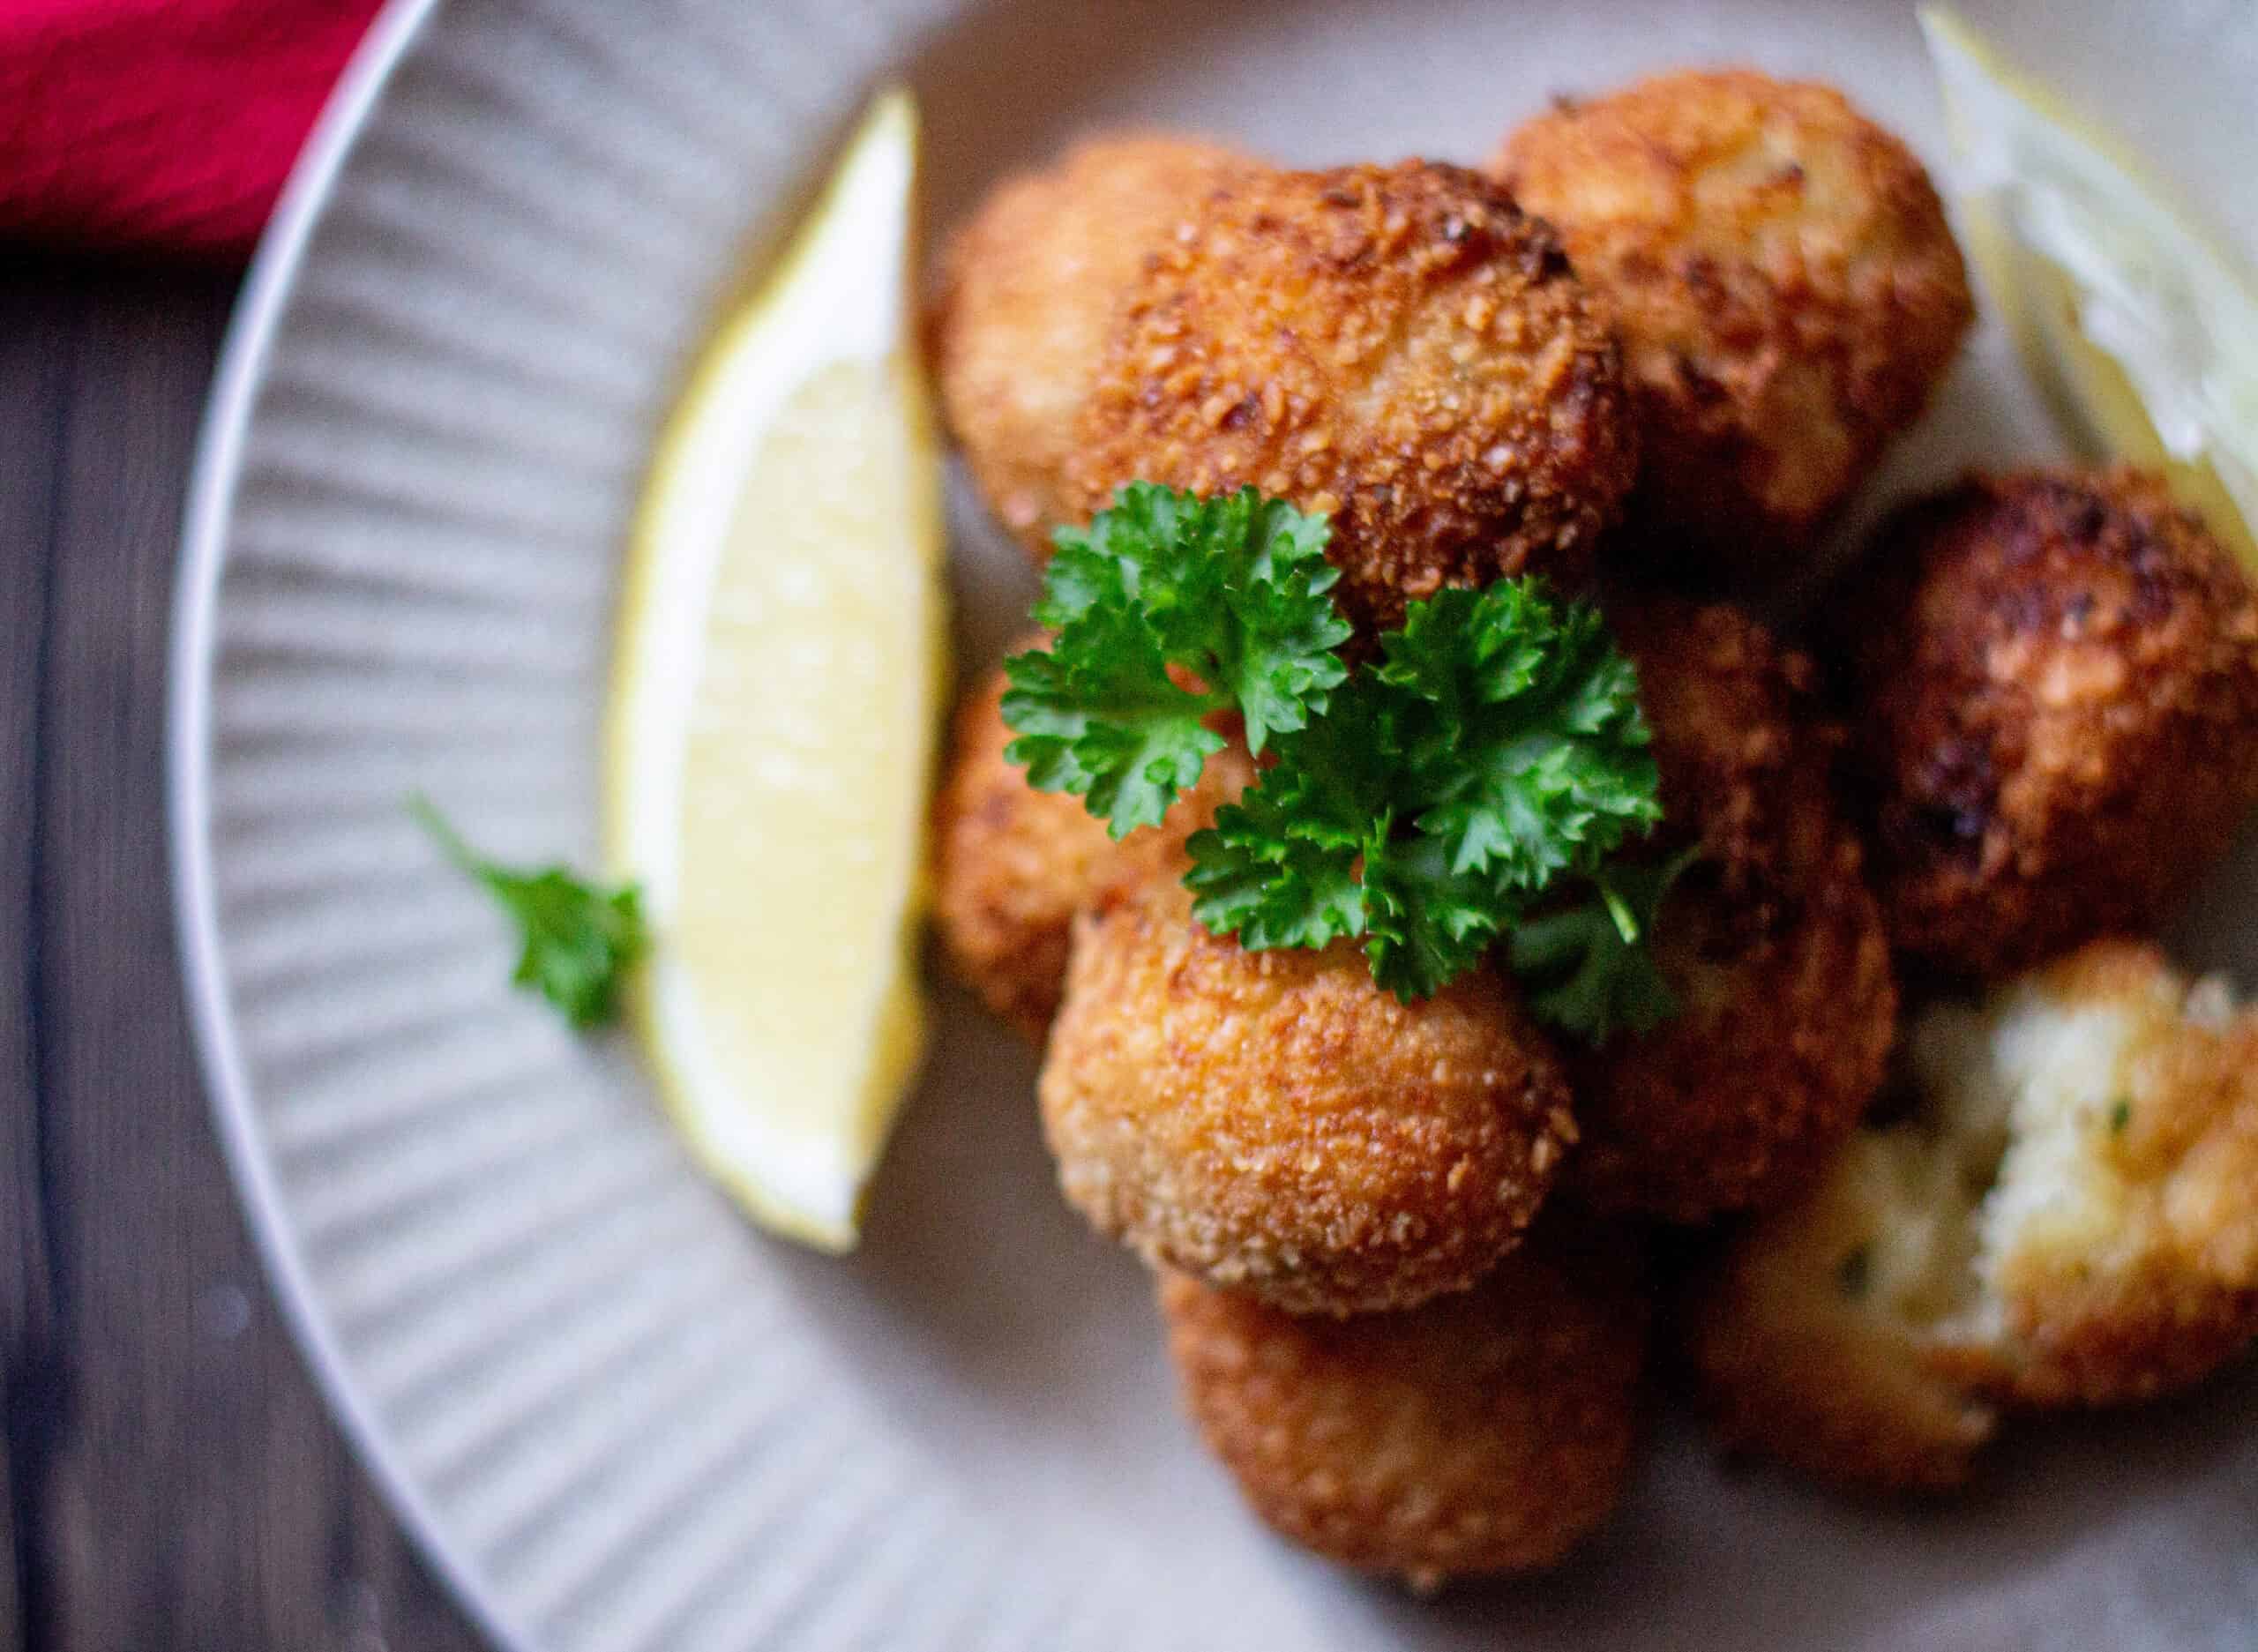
(1787, 291)
(1487, 1431)
(2068, 1218)
(1795, 1364)
(1771, 942)
(2155, 1286)
(1398, 345)
(1012, 865)
(2053, 680)
(1274, 1122)
(1029, 289)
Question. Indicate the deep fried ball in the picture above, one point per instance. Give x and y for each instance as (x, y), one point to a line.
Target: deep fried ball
(1400, 347)
(1012, 865)
(1275, 1122)
(1801, 1356)
(1487, 1431)
(1787, 292)
(2068, 1217)
(1770, 942)
(2052, 684)
(2105, 1109)
(1029, 288)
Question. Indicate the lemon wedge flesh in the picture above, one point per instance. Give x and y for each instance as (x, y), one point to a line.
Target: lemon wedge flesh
(2139, 326)
(772, 726)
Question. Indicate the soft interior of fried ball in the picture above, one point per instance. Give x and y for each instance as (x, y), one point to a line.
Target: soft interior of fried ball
(1806, 1334)
(2068, 1216)
(2089, 1147)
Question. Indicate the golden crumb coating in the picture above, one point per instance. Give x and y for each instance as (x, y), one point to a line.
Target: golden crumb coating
(1398, 346)
(1029, 290)
(1787, 292)
(1796, 1359)
(2110, 1106)
(1486, 1432)
(1012, 865)
(2068, 1216)
(1770, 941)
(2053, 685)
(1276, 1122)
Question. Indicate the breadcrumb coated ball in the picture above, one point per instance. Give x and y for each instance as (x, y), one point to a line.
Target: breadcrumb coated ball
(1787, 292)
(1028, 291)
(1398, 346)
(1276, 1122)
(1770, 942)
(1487, 1431)
(1013, 864)
(2070, 1217)
(2110, 1106)
(1799, 1359)
(2052, 687)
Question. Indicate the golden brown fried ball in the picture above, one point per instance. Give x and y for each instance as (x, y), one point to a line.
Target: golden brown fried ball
(1787, 292)
(1275, 1122)
(1400, 347)
(1487, 1431)
(1770, 942)
(1802, 1357)
(1013, 864)
(2053, 691)
(1029, 288)
(2070, 1217)
(2110, 1106)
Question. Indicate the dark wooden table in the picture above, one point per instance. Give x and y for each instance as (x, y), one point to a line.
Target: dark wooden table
(172, 1478)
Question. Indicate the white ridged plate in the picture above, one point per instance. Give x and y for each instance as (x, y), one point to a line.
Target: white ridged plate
(617, 1418)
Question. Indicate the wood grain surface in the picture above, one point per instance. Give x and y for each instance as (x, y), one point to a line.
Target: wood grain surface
(172, 1478)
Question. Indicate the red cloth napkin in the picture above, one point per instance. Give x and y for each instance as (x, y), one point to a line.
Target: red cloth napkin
(159, 124)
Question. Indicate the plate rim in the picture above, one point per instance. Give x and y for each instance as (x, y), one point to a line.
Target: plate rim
(207, 516)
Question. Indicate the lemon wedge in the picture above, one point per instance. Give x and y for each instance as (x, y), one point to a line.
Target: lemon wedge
(2141, 329)
(773, 718)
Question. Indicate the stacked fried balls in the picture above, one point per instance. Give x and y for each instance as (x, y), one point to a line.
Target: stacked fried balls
(1953, 1145)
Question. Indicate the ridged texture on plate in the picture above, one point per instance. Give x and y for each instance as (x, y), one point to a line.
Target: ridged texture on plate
(628, 1423)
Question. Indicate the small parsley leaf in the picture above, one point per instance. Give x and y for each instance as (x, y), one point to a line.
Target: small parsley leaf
(1281, 866)
(1535, 753)
(579, 939)
(1588, 966)
(1169, 608)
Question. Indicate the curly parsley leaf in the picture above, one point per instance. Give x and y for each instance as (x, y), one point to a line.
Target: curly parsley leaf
(1169, 608)
(1533, 760)
(1499, 747)
(1281, 866)
(1422, 806)
(1101, 720)
(579, 939)
(1588, 966)
(1429, 923)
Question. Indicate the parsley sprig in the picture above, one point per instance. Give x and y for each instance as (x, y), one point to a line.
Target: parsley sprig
(579, 939)
(1493, 760)
(1231, 592)
(1497, 747)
